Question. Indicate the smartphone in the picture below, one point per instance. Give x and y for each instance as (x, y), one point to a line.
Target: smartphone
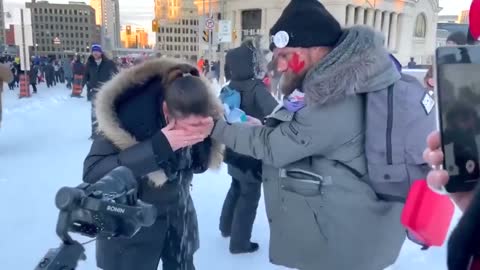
(457, 76)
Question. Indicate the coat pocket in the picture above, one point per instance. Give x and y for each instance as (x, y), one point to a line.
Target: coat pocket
(390, 182)
(298, 236)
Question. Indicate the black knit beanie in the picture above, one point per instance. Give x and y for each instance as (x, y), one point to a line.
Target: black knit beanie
(305, 24)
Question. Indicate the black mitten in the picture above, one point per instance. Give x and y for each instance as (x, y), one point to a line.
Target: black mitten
(464, 242)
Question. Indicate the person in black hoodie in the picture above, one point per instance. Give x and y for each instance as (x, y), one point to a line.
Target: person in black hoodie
(33, 75)
(99, 69)
(155, 118)
(243, 67)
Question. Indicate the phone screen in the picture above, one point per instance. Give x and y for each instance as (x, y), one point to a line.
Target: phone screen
(458, 95)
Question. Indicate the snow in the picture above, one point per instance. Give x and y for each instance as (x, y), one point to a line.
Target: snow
(43, 141)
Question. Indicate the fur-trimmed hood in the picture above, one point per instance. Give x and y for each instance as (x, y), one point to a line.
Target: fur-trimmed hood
(358, 64)
(132, 79)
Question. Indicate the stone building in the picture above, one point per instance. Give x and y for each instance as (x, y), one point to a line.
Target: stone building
(62, 29)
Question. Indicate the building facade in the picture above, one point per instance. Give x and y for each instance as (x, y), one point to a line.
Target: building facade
(10, 35)
(464, 17)
(409, 26)
(2, 25)
(177, 34)
(108, 17)
(62, 29)
(134, 38)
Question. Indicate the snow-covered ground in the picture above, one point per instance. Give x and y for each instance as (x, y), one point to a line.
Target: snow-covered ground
(43, 141)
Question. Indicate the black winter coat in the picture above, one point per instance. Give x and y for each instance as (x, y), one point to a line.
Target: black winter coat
(33, 75)
(130, 120)
(135, 140)
(95, 74)
(78, 68)
(256, 101)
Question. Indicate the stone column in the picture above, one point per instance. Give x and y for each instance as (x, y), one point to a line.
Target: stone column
(370, 17)
(264, 19)
(386, 26)
(393, 33)
(360, 11)
(350, 15)
(378, 20)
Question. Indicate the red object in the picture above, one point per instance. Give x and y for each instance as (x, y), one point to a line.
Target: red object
(427, 215)
(10, 35)
(295, 64)
(474, 17)
(24, 86)
(266, 81)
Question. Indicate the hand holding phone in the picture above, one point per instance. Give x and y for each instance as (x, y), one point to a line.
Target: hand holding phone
(458, 115)
(438, 178)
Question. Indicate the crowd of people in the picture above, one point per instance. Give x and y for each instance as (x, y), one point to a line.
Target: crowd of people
(304, 142)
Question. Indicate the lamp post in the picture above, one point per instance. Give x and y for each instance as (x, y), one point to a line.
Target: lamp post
(36, 49)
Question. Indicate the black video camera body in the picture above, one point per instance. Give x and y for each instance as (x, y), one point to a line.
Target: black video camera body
(107, 208)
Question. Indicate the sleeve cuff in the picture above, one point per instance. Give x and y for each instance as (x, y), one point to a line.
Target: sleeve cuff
(217, 131)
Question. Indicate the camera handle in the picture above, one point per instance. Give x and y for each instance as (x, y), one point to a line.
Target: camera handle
(70, 251)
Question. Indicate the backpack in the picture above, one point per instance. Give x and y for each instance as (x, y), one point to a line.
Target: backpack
(398, 121)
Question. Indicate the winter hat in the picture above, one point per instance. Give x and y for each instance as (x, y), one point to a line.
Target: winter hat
(97, 48)
(305, 23)
(459, 38)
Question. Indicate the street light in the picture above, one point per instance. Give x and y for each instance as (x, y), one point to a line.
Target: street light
(36, 49)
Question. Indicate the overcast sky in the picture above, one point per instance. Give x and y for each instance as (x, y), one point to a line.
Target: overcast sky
(140, 12)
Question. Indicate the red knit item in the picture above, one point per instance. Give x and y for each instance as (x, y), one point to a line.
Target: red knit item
(475, 19)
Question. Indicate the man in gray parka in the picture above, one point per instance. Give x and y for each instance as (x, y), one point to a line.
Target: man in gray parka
(321, 215)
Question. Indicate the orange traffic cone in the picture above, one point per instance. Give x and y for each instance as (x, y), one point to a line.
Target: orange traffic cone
(24, 86)
(77, 86)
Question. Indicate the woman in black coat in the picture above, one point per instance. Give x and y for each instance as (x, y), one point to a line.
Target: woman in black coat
(154, 119)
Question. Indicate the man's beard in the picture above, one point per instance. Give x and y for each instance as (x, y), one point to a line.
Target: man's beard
(289, 82)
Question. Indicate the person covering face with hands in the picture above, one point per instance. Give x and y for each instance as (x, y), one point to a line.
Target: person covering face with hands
(155, 119)
(321, 215)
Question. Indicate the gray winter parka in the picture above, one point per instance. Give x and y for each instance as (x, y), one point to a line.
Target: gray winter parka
(321, 215)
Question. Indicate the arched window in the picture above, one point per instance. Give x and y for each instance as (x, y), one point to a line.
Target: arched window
(421, 26)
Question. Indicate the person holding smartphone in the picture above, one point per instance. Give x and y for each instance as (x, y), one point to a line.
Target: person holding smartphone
(464, 243)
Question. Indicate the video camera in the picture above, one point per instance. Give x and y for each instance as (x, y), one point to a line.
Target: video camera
(107, 208)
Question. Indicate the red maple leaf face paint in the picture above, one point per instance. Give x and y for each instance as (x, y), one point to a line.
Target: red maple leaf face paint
(295, 64)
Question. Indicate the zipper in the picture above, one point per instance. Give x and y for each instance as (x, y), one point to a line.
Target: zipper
(389, 124)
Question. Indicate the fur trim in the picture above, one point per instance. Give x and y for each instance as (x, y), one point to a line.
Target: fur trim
(358, 64)
(5, 76)
(109, 125)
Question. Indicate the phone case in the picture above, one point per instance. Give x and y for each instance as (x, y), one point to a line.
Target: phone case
(427, 215)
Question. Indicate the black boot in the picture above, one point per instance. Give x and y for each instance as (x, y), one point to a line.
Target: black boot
(250, 249)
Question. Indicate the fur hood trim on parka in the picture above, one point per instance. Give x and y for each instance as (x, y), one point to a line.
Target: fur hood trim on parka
(109, 125)
(358, 64)
(5, 76)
